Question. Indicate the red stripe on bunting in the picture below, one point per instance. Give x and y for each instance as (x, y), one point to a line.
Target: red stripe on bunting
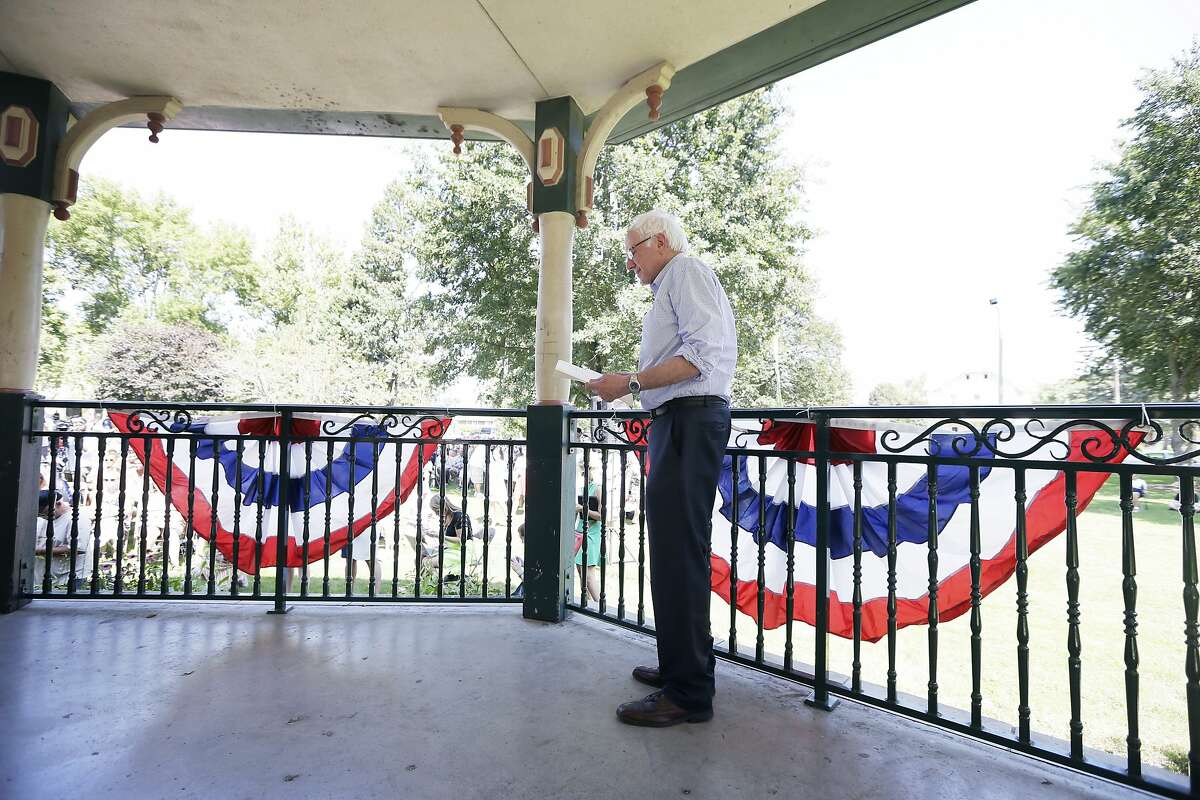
(1046, 518)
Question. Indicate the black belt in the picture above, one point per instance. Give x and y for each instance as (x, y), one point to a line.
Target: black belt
(688, 402)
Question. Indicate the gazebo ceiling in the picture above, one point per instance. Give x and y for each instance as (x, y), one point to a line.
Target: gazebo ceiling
(383, 67)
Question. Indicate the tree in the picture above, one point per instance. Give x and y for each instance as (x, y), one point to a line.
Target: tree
(303, 353)
(456, 233)
(1134, 273)
(118, 251)
(143, 359)
(373, 305)
(911, 392)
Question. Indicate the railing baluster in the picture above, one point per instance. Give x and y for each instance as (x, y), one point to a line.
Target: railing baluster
(443, 499)
(48, 552)
(239, 448)
(259, 534)
(603, 524)
(1129, 590)
(820, 696)
(761, 580)
(584, 521)
(145, 510)
(733, 562)
(348, 549)
(191, 519)
(166, 534)
(74, 539)
(464, 482)
(118, 574)
(283, 512)
(891, 583)
(1074, 643)
(375, 452)
(100, 453)
(790, 589)
(856, 661)
(932, 700)
(328, 516)
(419, 556)
(1191, 604)
(398, 450)
(212, 533)
(621, 543)
(1022, 609)
(487, 504)
(508, 530)
(641, 607)
(976, 607)
(306, 498)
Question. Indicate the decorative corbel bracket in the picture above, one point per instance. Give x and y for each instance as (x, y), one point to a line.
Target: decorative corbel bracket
(84, 133)
(472, 119)
(648, 87)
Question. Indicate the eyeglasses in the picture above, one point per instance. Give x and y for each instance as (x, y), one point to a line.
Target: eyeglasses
(631, 250)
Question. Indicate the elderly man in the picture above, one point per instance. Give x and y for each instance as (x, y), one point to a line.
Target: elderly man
(688, 354)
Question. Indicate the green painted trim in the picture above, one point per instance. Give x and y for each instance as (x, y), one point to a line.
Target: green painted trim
(562, 113)
(549, 513)
(19, 465)
(831, 29)
(49, 106)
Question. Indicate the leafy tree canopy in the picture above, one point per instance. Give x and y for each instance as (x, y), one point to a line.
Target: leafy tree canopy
(456, 234)
(1133, 275)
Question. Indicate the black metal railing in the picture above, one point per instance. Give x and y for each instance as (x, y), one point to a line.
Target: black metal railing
(888, 533)
(896, 537)
(165, 501)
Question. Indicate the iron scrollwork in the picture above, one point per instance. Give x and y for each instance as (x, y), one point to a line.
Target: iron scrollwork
(1103, 443)
(164, 419)
(634, 431)
(391, 425)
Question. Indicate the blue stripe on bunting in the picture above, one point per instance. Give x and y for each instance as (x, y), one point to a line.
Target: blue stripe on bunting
(341, 473)
(912, 507)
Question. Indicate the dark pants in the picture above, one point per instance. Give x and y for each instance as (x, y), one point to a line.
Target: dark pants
(687, 445)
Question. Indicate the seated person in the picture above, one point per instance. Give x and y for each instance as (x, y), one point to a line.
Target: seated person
(60, 544)
(457, 525)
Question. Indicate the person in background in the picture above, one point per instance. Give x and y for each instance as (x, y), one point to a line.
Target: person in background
(587, 522)
(54, 514)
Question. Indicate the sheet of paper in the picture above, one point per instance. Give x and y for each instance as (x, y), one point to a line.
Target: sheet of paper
(583, 375)
(575, 373)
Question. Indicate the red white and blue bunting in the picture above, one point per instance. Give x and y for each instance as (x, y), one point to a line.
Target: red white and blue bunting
(1045, 515)
(247, 487)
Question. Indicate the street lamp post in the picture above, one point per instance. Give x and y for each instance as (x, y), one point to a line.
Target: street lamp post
(995, 303)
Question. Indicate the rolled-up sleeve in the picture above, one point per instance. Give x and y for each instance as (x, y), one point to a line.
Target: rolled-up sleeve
(698, 310)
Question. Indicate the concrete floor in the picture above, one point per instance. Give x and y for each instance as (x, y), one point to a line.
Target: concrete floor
(173, 700)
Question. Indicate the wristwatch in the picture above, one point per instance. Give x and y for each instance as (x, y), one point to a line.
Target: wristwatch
(635, 385)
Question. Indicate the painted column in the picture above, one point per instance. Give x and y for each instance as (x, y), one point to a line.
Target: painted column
(33, 120)
(23, 223)
(558, 140)
(554, 306)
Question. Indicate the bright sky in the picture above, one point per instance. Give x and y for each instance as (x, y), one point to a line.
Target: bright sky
(945, 166)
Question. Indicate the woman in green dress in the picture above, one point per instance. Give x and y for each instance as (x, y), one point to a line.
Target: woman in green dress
(589, 522)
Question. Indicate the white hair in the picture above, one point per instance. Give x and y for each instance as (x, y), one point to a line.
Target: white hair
(657, 221)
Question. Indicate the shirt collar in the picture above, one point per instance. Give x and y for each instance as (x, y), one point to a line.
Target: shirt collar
(658, 279)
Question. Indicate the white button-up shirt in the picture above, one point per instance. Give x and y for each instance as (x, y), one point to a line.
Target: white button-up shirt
(691, 317)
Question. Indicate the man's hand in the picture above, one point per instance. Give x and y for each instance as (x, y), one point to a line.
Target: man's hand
(609, 386)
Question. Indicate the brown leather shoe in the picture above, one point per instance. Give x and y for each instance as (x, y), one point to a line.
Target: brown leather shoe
(656, 710)
(649, 676)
